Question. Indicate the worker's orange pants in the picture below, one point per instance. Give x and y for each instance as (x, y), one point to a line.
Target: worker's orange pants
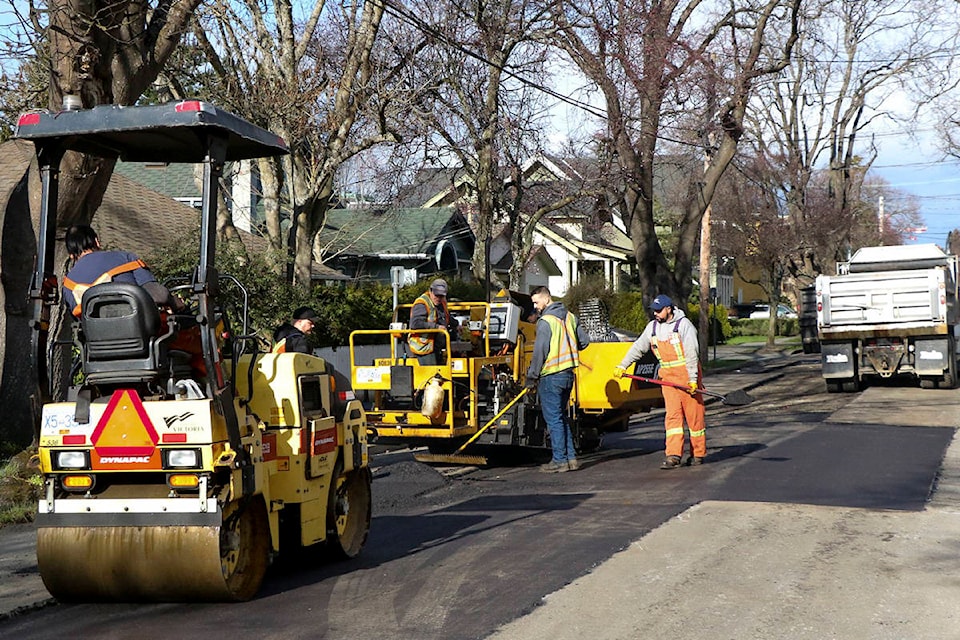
(680, 406)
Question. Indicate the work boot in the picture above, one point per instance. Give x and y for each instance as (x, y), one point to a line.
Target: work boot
(573, 464)
(554, 467)
(695, 461)
(671, 462)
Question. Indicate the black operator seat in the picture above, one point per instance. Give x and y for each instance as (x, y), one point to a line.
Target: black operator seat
(120, 323)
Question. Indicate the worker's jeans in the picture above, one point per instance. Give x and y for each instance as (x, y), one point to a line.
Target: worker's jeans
(554, 392)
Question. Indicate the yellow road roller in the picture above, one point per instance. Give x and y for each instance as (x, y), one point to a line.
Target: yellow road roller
(170, 475)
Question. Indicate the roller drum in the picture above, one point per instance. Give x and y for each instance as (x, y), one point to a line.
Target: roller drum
(157, 563)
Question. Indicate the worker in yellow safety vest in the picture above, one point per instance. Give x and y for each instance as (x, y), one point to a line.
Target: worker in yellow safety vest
(556, 353)
(430, 311)
(673, 339)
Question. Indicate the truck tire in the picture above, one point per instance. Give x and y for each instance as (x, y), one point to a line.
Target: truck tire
(850, 386)
(833, 386)
(950, 375)
(949, 381)
(927, 383)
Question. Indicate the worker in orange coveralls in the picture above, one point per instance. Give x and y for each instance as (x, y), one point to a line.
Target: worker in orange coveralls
(673, 339)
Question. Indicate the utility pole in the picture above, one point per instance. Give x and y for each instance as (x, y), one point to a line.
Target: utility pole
(709, 142)
(704, 324)
(880, 218)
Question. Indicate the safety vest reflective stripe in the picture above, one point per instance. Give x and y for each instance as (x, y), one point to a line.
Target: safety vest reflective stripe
(563, 353)
(280, 347)
(670, 353)
(421, 345)
(679, 359)
(78, 289)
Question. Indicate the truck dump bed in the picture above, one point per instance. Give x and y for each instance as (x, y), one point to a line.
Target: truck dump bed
(899, 287)
(885, 297)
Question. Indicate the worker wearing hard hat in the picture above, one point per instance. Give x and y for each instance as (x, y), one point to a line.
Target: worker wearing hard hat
(556, 353)
(673, 339)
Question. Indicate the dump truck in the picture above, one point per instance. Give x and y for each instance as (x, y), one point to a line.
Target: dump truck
(162, 481)
(476, 397)
(889, 311)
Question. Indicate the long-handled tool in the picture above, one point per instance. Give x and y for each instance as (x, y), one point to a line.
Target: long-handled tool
(457, 457)
(736, 398)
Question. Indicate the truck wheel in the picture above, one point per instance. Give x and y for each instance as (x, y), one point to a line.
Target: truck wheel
(851, 386)
(950, 375)
(926, 383)
(833, 386)
(348, 511)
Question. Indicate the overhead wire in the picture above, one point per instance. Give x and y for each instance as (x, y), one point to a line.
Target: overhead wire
(401, 13)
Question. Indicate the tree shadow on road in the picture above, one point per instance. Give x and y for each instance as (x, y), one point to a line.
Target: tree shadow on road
(397, 536)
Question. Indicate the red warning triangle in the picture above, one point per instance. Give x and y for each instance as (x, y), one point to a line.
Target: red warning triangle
(124, 428)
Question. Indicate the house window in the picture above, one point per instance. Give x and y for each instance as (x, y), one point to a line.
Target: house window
(592, 269)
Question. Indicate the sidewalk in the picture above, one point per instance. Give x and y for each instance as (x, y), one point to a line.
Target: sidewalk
(754, 571)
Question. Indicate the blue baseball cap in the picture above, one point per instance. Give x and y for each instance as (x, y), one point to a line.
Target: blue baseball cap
(660, 302)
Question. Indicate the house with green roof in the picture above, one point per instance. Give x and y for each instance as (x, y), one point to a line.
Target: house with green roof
(364, 243)
(570, 243)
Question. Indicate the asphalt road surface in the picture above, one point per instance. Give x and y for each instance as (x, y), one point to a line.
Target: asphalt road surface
(456, 553)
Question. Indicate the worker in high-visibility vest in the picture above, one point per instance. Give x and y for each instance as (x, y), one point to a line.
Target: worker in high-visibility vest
(430, 311)
(93, 266)
(291, 337)
(556, 353)
(673, 339)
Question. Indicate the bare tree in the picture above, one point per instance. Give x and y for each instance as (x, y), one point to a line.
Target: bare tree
(480, 111)
(756, 225)
(321, 83)
(849, 58)
(641, 57)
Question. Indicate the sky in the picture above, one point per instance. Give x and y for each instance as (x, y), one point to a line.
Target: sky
(919, 168)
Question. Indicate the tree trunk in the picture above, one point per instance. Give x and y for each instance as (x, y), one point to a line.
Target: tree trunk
(103, 52)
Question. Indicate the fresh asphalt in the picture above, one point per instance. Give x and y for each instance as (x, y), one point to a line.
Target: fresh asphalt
(765, 569)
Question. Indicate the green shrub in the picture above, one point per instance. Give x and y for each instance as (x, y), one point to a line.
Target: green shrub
(719, 326)
(758, 327)
(588, 289)
(627, 312)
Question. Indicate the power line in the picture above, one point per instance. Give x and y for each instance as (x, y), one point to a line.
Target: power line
(415, 21)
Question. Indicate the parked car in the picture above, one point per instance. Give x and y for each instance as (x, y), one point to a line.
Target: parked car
(741, 310)
(783, 311)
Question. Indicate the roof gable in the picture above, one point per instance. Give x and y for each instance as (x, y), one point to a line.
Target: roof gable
(394, 231)
(173, 180)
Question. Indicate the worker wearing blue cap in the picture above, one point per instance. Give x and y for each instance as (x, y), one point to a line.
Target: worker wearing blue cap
(673, 339)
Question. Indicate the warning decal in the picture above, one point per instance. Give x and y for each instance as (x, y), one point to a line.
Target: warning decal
(125, 434)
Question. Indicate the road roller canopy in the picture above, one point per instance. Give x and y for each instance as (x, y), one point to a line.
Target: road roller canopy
(173, 132)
